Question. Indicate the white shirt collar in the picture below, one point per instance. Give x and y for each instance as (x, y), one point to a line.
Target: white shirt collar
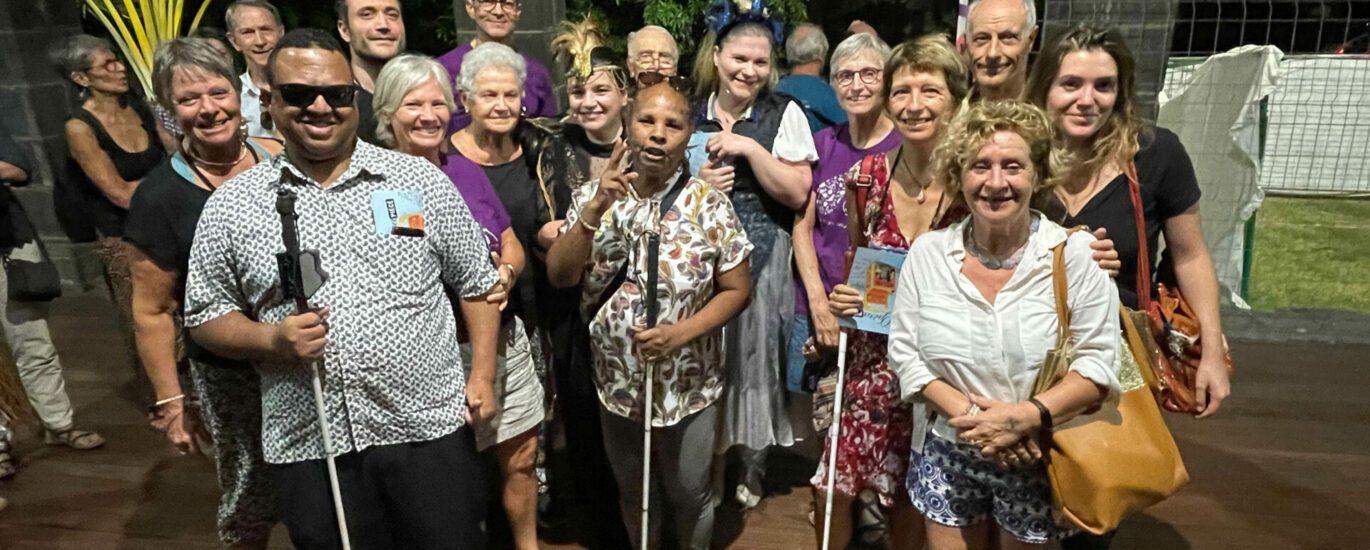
(249, 86)
(709, 109)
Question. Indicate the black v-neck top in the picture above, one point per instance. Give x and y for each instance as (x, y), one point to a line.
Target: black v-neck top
(1168, 188)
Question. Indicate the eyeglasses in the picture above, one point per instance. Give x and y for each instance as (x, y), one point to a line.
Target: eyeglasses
(110, 66)
(490, 5)
(868, 75)
(647, 79)
(657, 60)
(303, 95)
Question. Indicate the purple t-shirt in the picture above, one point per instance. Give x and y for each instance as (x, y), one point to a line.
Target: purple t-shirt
(538, 100)
(836, 156)
(480, 197)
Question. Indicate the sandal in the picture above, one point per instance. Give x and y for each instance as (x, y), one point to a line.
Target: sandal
(77, 439)
(7, 468)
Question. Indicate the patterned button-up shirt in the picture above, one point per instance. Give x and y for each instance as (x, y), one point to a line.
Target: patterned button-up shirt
(700, 238)
(391, 369)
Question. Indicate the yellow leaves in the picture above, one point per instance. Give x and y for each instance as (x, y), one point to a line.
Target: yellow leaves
(138, 28)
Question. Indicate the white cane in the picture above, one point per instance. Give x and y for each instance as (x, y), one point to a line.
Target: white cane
(833, 432)
(285, 206)
(647, 456)
(328, 455)
(649, 370)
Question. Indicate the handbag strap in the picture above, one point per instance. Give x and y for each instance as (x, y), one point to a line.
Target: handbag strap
(860, 186)
(1058, 287)
(1134, 189)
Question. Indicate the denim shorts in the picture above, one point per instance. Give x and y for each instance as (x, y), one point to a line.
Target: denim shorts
(956, 487)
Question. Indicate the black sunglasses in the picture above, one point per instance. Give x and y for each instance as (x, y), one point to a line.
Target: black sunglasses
(303, 95)
(647, 79)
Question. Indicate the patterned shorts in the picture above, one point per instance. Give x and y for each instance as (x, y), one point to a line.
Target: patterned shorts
(956, 487)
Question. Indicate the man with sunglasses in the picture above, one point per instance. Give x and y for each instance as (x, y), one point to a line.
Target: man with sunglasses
(374, 32)
(495, 22)
(394, 234)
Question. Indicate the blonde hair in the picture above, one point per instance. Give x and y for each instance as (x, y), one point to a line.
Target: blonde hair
(1117, 138)
(399, 77)
(706, 72)
(973, 128)
(929, 53)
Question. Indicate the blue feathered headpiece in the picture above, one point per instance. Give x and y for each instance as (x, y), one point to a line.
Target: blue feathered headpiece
(725, 15)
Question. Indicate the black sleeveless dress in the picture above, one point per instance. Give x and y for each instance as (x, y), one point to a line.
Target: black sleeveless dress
(107, 217)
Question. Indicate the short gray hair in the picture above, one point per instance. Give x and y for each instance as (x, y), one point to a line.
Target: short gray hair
(1029, 7)
(239, 4)
(189, 54)
(632, 39)
(490, 55)
(806, 44)
(861, 43)
(399, 77)
(73, 54)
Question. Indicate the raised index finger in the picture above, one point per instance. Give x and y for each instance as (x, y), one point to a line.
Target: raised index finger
(616, 158)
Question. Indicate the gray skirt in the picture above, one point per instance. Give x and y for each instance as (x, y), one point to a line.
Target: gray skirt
(755, 412)
(518, 390)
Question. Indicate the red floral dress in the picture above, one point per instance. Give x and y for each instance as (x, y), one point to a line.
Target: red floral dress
(877, 427)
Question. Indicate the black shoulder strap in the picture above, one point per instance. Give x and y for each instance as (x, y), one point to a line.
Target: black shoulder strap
(622, 275)
(101, 136)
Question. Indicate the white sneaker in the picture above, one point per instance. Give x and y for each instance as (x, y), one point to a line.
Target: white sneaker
(745, 497)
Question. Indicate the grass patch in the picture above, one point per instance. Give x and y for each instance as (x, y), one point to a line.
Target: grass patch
(1312, 253)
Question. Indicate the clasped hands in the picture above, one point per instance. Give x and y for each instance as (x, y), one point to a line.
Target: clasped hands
(1004, 432)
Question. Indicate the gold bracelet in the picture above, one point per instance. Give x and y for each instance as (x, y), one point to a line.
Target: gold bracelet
(592, 228)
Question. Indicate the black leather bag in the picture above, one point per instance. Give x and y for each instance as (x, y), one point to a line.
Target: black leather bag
(29, 279)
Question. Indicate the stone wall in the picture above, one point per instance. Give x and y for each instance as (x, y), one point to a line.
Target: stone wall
(34, 103)
(537, 25)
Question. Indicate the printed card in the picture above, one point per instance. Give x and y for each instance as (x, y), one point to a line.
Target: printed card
(875, 273)
(397, 211)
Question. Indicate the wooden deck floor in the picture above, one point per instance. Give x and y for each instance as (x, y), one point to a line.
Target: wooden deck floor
(1286, 465)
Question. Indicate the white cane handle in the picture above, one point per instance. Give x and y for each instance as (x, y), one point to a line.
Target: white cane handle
(833, 433)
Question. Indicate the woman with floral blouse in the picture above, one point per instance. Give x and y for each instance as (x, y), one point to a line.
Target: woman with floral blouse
(702, 282)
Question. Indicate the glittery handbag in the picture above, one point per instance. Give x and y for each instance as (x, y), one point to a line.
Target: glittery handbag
(1171, 323)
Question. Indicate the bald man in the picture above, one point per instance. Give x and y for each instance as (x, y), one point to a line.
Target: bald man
(652, 48)
(998, 38)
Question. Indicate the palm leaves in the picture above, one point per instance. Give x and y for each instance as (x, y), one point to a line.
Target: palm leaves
(138, 26)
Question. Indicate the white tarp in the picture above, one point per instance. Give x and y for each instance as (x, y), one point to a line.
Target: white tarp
(1318, 126)
(1216, 113)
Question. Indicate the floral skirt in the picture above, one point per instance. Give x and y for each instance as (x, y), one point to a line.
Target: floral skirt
(873, 448)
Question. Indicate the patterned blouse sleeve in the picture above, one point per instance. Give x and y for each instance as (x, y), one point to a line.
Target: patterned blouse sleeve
(724, 229)
(211, 291)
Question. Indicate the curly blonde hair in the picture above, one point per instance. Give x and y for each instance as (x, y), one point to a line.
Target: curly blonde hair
(973, 128)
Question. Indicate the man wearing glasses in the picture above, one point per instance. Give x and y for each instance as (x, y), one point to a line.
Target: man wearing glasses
(253, 27)
(652, 49)
(394, 233)
(495, 22)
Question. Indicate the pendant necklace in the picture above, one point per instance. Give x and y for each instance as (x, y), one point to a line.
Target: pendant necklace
(901, 166)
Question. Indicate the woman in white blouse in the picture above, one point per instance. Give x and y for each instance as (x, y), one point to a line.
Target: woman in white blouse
(974, 320)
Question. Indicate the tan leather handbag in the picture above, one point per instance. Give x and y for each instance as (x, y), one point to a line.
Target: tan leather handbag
(1111, 463)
